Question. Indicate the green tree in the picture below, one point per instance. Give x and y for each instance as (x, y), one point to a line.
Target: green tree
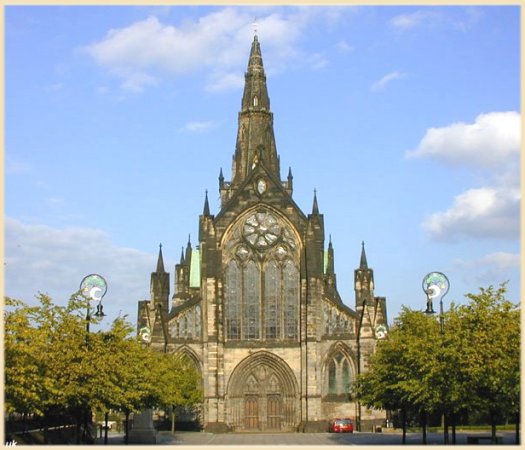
(487, 338)
(53, 364)
(181, 383)
(402, 373)
(25, 390)
(472, 364)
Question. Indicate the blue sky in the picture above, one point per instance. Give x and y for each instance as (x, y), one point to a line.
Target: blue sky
(406, 120)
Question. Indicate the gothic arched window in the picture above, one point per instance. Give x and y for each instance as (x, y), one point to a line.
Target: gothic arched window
(261, 280)
(338, 377)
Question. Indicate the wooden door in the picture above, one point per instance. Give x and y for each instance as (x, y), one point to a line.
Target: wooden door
(251, 412)
(274, 412)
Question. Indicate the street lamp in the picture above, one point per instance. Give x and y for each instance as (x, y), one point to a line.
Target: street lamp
(436, 285)
(93, 287)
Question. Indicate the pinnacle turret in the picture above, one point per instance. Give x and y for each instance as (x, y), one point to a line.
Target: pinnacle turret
(315, 206)
(160, 261)
(330, 269)
(363, 263)
(206, 209)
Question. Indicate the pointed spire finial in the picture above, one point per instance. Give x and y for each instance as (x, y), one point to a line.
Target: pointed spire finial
(187, 256)
(330, 270)
(315, 207)
(206, 210)
(182, 255)
(363, 263)
(254, 24)
(160, 261)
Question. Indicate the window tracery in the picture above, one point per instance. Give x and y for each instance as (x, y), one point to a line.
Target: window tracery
(261, 280)
(188, 324)
(335, 321)
(338, 377)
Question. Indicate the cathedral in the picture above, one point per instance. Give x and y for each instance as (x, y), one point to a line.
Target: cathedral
(255, 304)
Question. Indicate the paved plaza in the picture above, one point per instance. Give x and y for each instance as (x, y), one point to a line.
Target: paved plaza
(307, 439)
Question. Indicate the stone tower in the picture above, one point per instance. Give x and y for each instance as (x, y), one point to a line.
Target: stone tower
(255, 304)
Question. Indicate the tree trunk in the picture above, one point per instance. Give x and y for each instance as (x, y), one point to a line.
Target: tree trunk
(126, 428)
(106, 420)
(79, 426)
(404, 420)
(493, 427)
(445, 429)
(424, 426)
(517, 436)
(173, 419)
(453, 428)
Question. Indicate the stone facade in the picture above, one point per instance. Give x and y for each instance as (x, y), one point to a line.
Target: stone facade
(255, 304)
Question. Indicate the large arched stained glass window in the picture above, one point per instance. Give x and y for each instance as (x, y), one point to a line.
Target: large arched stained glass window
(261, 279)
(232, 299)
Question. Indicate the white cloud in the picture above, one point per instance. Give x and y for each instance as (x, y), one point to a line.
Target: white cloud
(148, 49)
(493, 268)
(136, 82)
(489, 141)
(492, 143)
(482, 212)
(39, 258)
(383, 82)
(415, 19)
(220, 82)
(198, 127)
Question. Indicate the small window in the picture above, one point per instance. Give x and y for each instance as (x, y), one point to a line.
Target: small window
(255, 101)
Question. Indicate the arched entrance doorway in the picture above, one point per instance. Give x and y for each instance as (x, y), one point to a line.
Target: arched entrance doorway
(263, 395)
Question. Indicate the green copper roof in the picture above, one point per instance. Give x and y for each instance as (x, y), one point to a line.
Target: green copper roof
(195, 268)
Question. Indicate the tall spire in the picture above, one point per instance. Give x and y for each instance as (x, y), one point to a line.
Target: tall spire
(255, 136)
(187, 256)
(160, 261)
(363, 264)
(206, 211)
(330, 269)
(315, 206)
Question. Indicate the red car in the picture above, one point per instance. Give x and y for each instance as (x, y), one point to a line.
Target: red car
(341, 426)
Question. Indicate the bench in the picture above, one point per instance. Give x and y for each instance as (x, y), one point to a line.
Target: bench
(483, 437)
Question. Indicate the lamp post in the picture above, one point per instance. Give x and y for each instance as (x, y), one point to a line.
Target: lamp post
(436, 285)
(94, 287)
